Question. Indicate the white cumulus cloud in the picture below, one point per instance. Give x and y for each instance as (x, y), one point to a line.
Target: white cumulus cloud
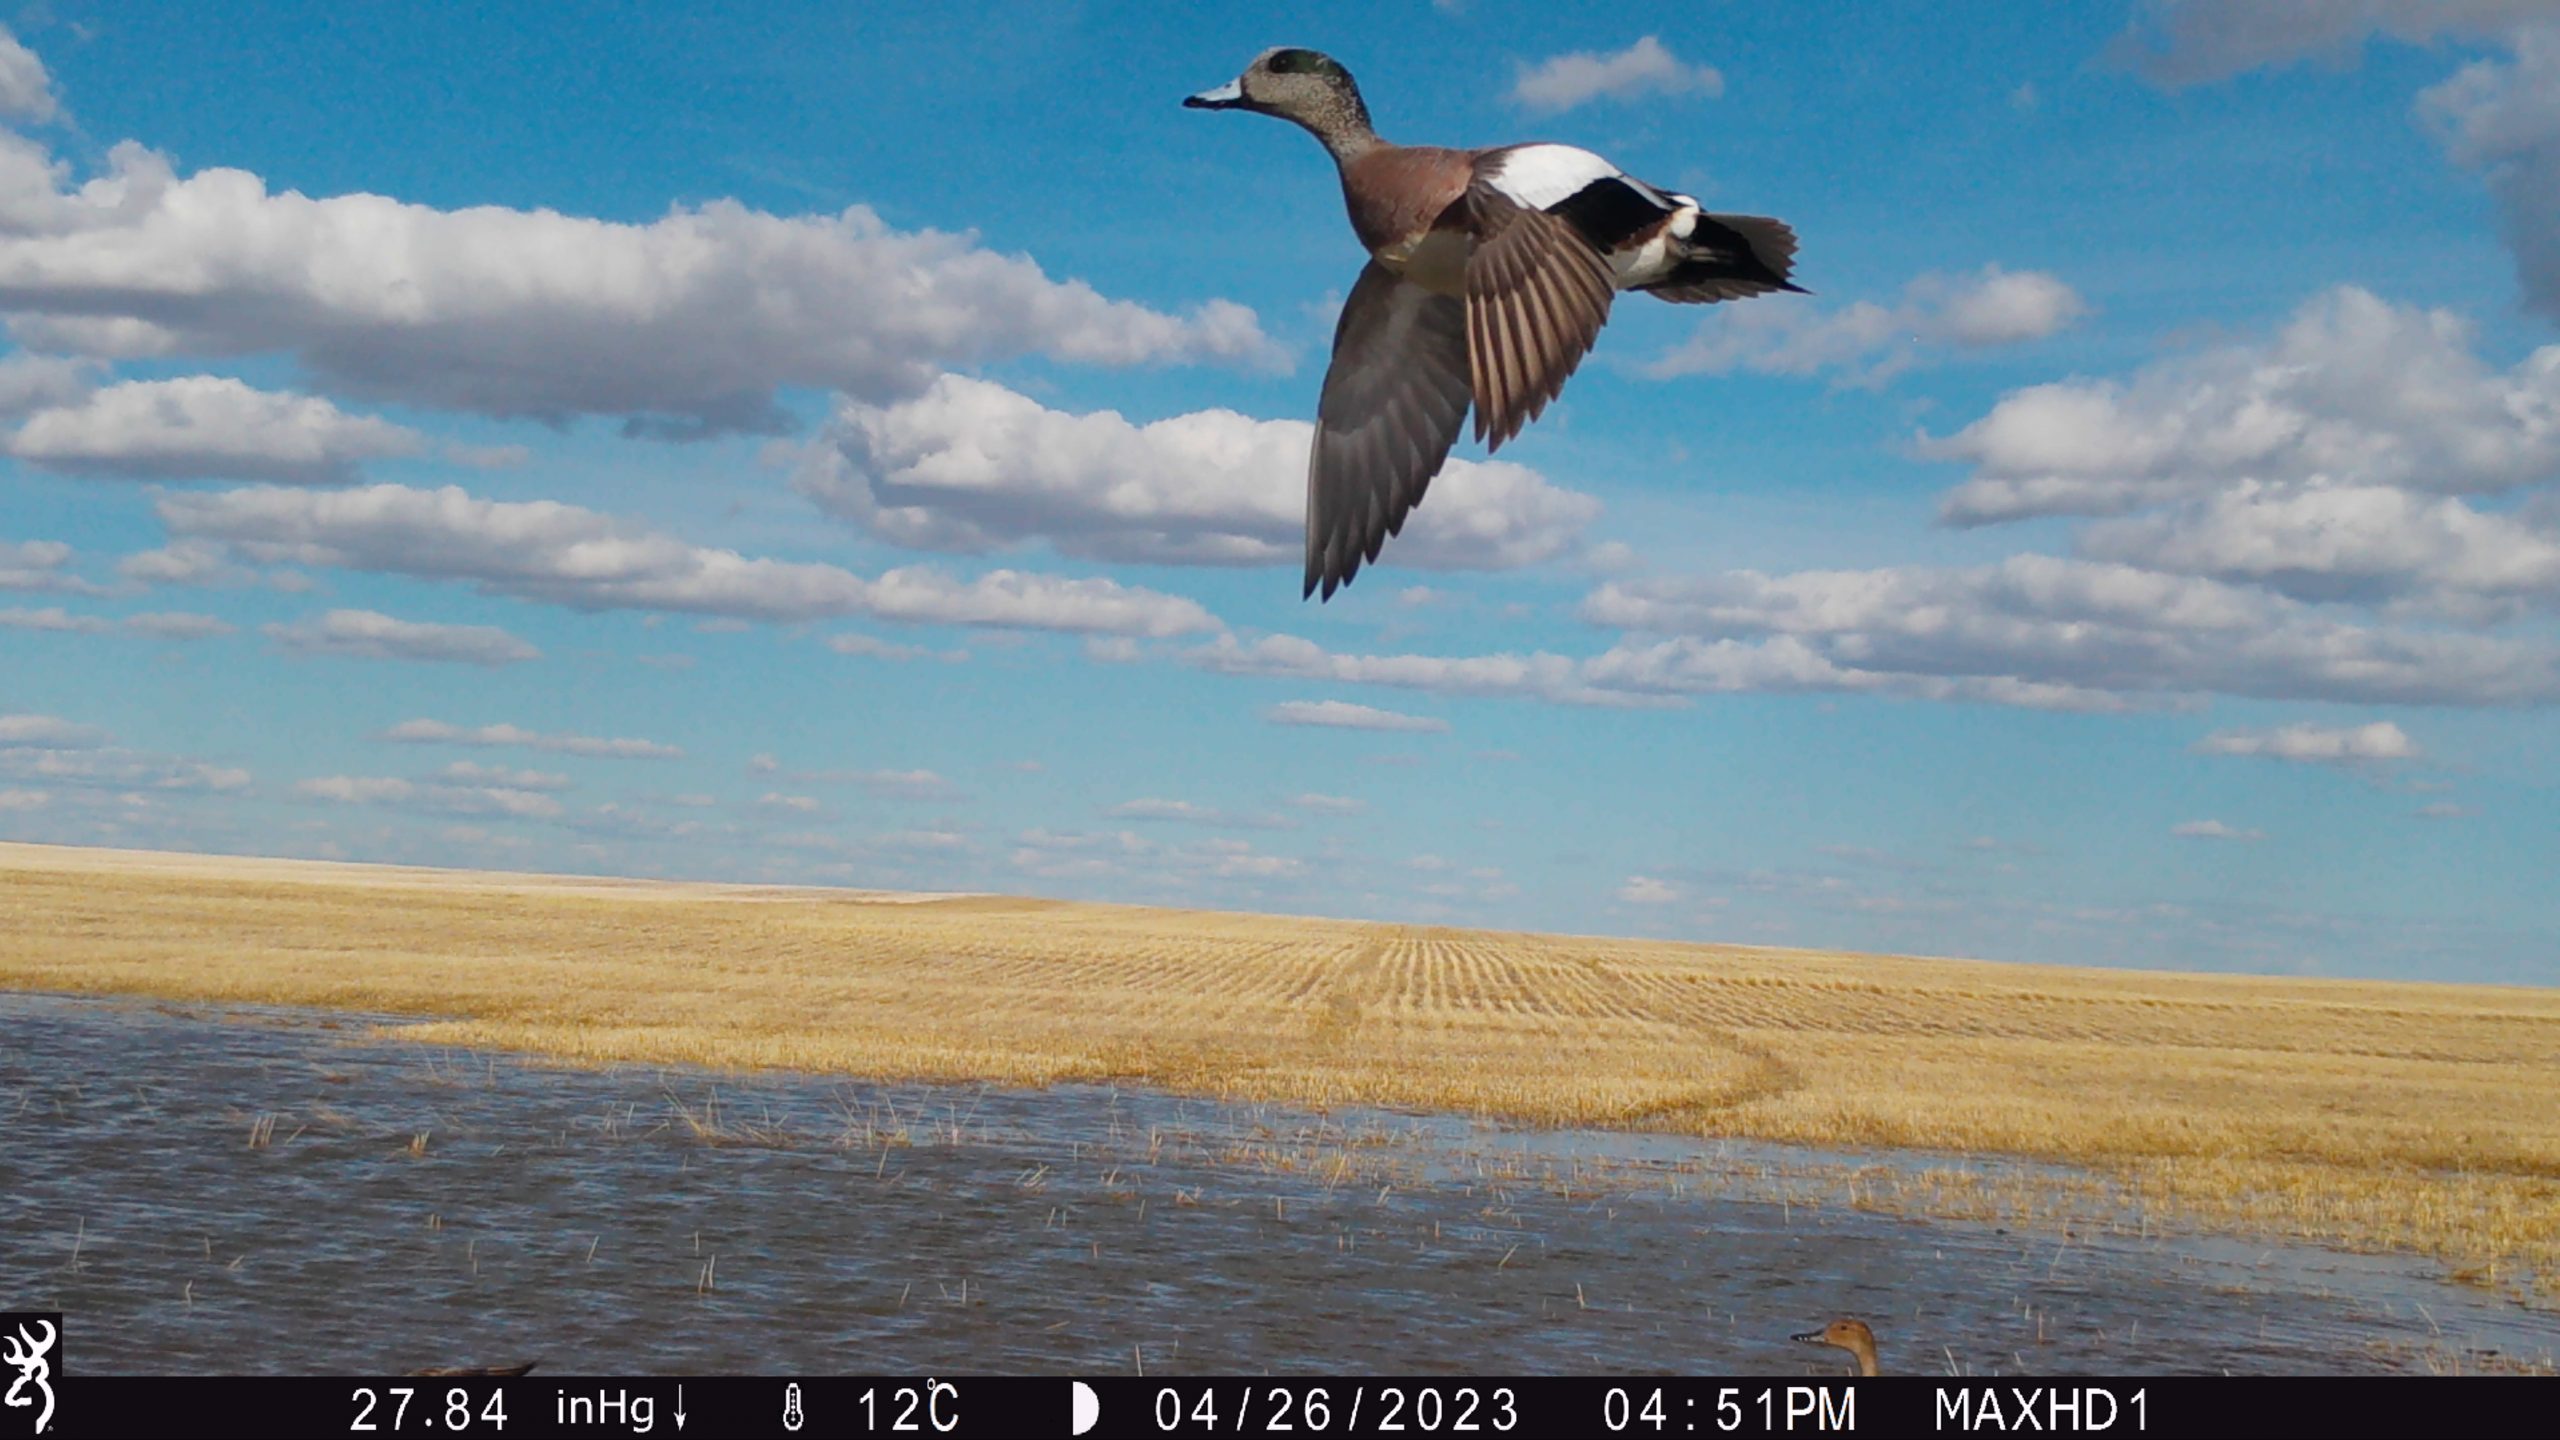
(2499, 117)
(2213, 830)
(2311, 744)
(2353, 391)
(438, 732)
(1330, 804)
(466, 772)
(2502, 119)
(873, 647)
(432, 796)
(52, 618)
(207, 426)
(970, 465)
(178, 625)
(1649, 890)
(373, 635)
(1867, 343)
(30, 382)
(1644, 68)
(1343, 715)
(64, 755)
(49, 732)
(2188, 42)
(1537, 676)
(39, 565)
(2367, 543)
(685, 325)
(26, 91)
(2041, 631)
(568, 555)
(1189, 813)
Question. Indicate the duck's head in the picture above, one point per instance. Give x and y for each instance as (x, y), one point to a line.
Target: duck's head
(1306, 86)
(1846, 1334)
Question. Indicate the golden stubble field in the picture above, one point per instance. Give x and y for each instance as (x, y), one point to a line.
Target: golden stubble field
(2382, 1116)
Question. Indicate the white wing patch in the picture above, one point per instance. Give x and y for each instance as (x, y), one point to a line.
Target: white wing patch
(1540, 175)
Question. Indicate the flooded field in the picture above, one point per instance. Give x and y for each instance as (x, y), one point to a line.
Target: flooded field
(227, 1190)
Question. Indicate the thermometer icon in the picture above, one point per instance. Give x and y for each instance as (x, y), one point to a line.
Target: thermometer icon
(791, 1406)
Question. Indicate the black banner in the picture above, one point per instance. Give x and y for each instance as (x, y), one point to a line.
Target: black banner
(1129, 1408)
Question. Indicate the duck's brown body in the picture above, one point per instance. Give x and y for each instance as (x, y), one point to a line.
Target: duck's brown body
(1404, 198)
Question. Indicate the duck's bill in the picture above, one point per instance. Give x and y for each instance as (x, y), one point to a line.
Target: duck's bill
(1225, 97)
(1812, 1337)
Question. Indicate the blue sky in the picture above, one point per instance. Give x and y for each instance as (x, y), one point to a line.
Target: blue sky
(867, 449)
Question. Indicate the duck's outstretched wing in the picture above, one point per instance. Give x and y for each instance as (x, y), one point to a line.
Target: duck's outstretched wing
(1392, 404)
(1538, 292)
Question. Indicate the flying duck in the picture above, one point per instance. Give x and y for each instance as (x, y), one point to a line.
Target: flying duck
(1490, 273)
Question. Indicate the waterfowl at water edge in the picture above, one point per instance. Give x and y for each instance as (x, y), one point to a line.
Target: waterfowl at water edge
(1490, 274)
(1846, 1334)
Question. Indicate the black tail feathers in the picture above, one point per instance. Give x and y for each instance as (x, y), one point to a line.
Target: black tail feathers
(1731, 256)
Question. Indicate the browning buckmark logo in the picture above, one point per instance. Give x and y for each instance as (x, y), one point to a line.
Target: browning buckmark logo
(29, 1343)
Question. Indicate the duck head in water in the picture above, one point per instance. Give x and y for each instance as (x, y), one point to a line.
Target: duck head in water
(1846, 1334)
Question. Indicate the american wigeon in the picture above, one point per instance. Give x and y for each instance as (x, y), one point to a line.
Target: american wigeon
(1850, 1335)
(1490, 273)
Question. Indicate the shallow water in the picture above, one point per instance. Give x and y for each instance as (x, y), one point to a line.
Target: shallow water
(667, 1221)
